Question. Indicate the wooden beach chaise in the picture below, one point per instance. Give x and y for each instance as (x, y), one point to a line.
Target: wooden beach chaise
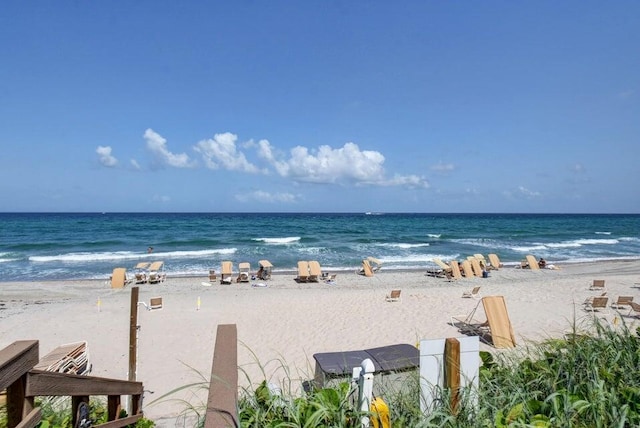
(597, 284)
(473, 293)
(496, 330)
(622, 302)
(265, 270)
(467, 269)
(156, 272)
(455, 269)
(494, 261)
(597, 304)
(532, 263)
(376, 264)
(119, 278)
(366, 269)
(394, 296)
(443, 270)
(244, 269)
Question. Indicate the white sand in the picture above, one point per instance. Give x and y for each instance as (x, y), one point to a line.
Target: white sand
(284, 324)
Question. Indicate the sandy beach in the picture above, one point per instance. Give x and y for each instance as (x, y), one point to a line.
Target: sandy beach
(282, 325)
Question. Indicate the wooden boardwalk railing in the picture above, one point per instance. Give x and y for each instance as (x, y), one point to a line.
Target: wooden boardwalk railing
(222, 404)
(23, 384)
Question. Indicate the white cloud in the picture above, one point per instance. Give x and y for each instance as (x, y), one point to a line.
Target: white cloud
(221, 152)
(134, 164)
(158, 146)
(266, 197)
(106, 158)
(578, 168)
(442, 167)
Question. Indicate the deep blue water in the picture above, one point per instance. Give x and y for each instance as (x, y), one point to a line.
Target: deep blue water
(55, 246)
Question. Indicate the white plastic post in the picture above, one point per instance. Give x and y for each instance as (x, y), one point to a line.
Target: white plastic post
(365, 385)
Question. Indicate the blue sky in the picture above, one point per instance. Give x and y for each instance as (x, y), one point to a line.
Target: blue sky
(320, 106)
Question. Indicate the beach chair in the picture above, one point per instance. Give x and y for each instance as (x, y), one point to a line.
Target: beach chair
(303, 271)
(314, 271)
(598, 304)
(589, 299)
(140, 272)
(265, 270)
(212, 275)
(474, 293)
(597, 284)
(622, 302)
(226, 272)
(71, 358)
(443, 270)
(467, 269)
(119, 278)
(475, 266)
(244, 269)
(394, 296)
(366, 269)
(496, 330)
(494, 262)
(634, 309)
(532, 263)
(455, 269)
(156, 272)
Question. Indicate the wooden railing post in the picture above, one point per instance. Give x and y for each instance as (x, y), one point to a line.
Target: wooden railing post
(222, 404)
(452, 370)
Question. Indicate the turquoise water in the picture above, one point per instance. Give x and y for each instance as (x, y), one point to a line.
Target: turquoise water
(89, 246)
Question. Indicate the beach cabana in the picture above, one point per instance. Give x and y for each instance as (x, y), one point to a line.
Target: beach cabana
(265, 269)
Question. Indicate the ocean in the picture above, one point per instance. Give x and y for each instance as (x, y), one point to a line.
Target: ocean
(68, 246)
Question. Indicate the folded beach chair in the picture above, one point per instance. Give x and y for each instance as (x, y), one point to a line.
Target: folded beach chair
(314, 271)
(264, 272)
(156, 272)
(496, 330)
(598, 284)
(244, 269)
(303, 271)
(72, 358)
(394, 296)
(443, 270)
(226, 272)
(494, 262)
(475, 293)
(119, 278)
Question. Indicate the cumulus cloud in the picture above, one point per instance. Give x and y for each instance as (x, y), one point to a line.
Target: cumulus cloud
(221, 152)
(158, 146)
(347, 164)
(267, 197)
(105, 156)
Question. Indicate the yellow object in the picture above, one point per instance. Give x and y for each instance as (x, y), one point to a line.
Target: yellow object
(198, 304)
(380, 417)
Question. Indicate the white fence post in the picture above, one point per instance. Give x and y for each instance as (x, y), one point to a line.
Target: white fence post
(365, 385)
(432, 369)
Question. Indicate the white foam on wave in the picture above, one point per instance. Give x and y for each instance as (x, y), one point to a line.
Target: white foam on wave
(416, 258)
(128, 255)
(602, 233)
(279, 241)
(404, 246)
(434, 235)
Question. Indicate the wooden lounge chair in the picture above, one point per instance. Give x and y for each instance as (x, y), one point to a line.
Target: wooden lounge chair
(598, 304)
(156, 272)
(376, 264)
(597, 284)
(496, 330)
(475, 266)
(72, 358)
(634, 310)
(226, 272)
(303, 271)
(394, 296)
(467, 269)
(589, 299)
(442, 271)
(622, 302)
(455, 269)
(474, 293)
(494, 262)
(212, 275)
(244, 269)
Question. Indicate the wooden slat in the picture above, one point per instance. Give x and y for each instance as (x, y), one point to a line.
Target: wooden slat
(223, 388)
(32, 419)
(17, 359)
(118, 423)
(56, 384)
(452, 370)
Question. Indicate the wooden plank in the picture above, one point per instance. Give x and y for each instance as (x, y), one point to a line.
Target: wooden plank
(17, 359)
(57, 384)
(223, 389)
(452, 370)
(32, 419)
(119, 423)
